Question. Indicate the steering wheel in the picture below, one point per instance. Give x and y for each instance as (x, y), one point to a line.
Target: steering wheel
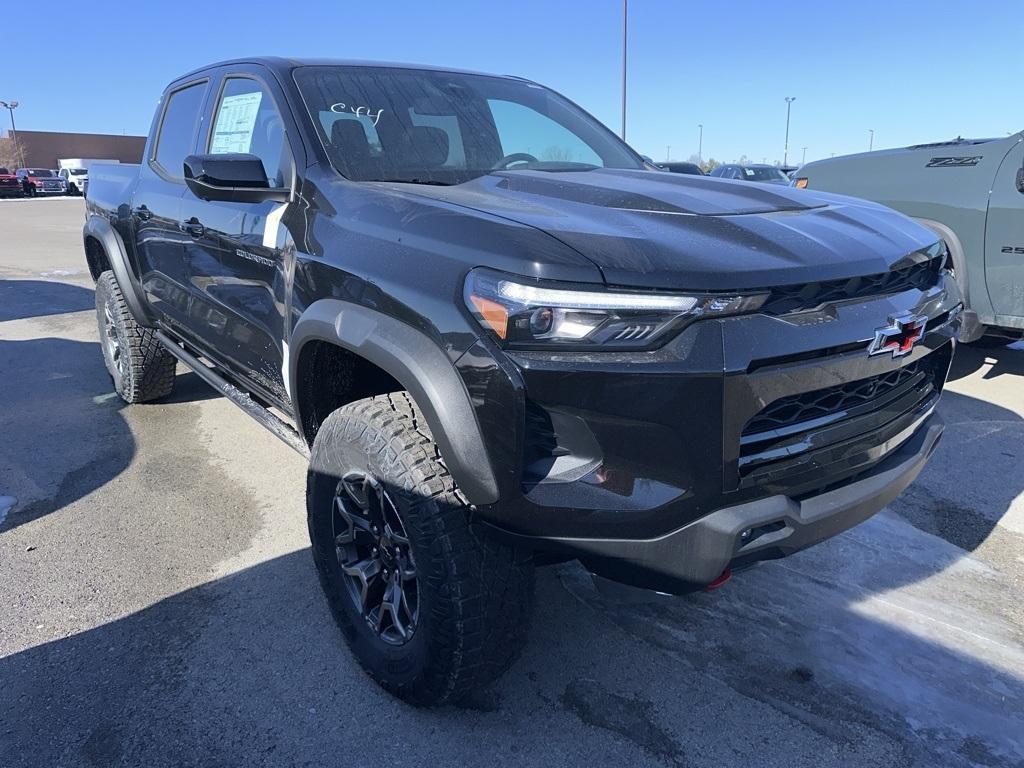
(515, 157)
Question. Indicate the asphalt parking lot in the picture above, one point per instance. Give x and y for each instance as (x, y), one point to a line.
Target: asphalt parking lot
(159, 606)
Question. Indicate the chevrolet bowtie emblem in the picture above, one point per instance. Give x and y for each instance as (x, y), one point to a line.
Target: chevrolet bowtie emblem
(899, 337)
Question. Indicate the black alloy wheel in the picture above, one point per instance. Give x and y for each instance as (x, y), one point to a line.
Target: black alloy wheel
(376, 560)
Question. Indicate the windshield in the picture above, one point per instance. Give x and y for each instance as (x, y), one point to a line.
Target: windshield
(40, 173)
(764, 174)
(77, 171)
(391, 124)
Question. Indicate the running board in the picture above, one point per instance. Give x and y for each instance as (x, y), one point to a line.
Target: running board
(279, 427)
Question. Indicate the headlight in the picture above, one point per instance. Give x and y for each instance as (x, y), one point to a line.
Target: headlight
(528, 314)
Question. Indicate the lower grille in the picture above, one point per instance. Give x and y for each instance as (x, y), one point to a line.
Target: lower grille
(810, 421)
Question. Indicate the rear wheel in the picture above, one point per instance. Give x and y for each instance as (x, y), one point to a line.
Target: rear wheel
(431, 608)
(142, 369)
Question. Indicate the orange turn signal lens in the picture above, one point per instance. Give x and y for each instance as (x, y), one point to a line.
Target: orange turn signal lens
(801, 183)
(492, 313)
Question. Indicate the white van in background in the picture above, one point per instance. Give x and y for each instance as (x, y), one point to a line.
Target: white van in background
(75, 171)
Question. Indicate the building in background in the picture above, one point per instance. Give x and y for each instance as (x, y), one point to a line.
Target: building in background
(41, 149)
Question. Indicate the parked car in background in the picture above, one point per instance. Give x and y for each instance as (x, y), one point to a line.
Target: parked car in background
(765, 174)
(691, 168)
(75, 172)
(490, 356)
(41, 181)
(789, 170)
(75, 179)
(970, 192)
(10, 184)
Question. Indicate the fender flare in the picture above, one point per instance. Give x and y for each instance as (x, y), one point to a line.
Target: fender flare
(99, 228)
(421, 367)
(972, 328)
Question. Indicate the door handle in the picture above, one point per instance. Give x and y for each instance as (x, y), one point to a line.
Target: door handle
(143, 213)
(193, 227)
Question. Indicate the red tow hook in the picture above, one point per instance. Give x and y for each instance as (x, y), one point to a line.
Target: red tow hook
(719, 582)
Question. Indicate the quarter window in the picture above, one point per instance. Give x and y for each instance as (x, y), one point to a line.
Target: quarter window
(178, 128)
(247, 121)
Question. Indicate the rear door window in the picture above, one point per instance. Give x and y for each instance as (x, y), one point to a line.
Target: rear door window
(178, 129)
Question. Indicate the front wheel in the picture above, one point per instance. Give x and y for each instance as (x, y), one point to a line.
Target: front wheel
(139, 365)
(431, 608)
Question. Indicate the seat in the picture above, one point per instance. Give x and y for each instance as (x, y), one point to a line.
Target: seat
(350, 150)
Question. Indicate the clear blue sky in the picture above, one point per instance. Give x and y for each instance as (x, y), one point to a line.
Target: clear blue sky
(913, 70)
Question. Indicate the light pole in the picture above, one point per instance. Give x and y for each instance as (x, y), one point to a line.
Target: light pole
(785, 150)
(700, 143)
(10, 107)
(625, 23)
(668, 153)
(871, 140)
(804, 158)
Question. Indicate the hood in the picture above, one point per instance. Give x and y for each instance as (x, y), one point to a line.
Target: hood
(661, 230)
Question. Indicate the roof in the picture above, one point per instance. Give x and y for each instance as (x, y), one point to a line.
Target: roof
(282, 65)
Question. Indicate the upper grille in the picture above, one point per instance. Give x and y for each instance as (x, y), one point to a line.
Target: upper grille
(799, 298)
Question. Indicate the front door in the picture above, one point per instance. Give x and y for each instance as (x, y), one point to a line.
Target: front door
(1004, 237)
(236, 258)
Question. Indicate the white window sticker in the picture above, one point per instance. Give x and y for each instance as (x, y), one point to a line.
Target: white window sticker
(236, 120)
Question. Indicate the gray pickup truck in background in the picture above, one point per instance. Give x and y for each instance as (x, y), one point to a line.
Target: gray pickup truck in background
(968, 191)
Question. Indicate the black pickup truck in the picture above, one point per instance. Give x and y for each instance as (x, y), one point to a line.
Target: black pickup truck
(503, 342)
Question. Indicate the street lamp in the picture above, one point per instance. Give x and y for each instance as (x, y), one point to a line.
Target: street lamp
(668, 153)
(700, 143)
(10, 107)
(625, 20)
(804, 158)
(871, 140)
(789, 105)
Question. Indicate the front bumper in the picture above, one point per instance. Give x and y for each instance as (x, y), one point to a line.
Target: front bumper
(626, 450)
(694, 555)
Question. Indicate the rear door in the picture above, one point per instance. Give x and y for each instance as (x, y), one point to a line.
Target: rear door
(1004, 237)
(156, 204)
(236, 250)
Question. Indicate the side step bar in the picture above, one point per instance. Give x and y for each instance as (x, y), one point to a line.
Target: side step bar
(281, 429)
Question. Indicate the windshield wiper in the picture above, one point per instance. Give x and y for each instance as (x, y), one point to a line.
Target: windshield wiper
(429, 182)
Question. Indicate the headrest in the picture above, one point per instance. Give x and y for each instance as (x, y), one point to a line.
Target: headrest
(349, 138)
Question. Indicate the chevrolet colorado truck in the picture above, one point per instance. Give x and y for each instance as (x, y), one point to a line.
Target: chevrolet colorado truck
(503, 342)
(970, 192)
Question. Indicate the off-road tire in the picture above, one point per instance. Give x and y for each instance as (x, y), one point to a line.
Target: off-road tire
(146, 371)
(475, 594)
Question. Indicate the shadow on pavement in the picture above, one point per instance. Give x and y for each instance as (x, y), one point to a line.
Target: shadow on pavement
(814, 660)
(1004, 360)
(20, 299)
(63, 432)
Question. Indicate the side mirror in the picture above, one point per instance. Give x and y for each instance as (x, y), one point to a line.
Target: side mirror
(232, 178)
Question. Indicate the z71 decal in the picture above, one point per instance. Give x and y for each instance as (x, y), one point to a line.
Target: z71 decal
(953, 162)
